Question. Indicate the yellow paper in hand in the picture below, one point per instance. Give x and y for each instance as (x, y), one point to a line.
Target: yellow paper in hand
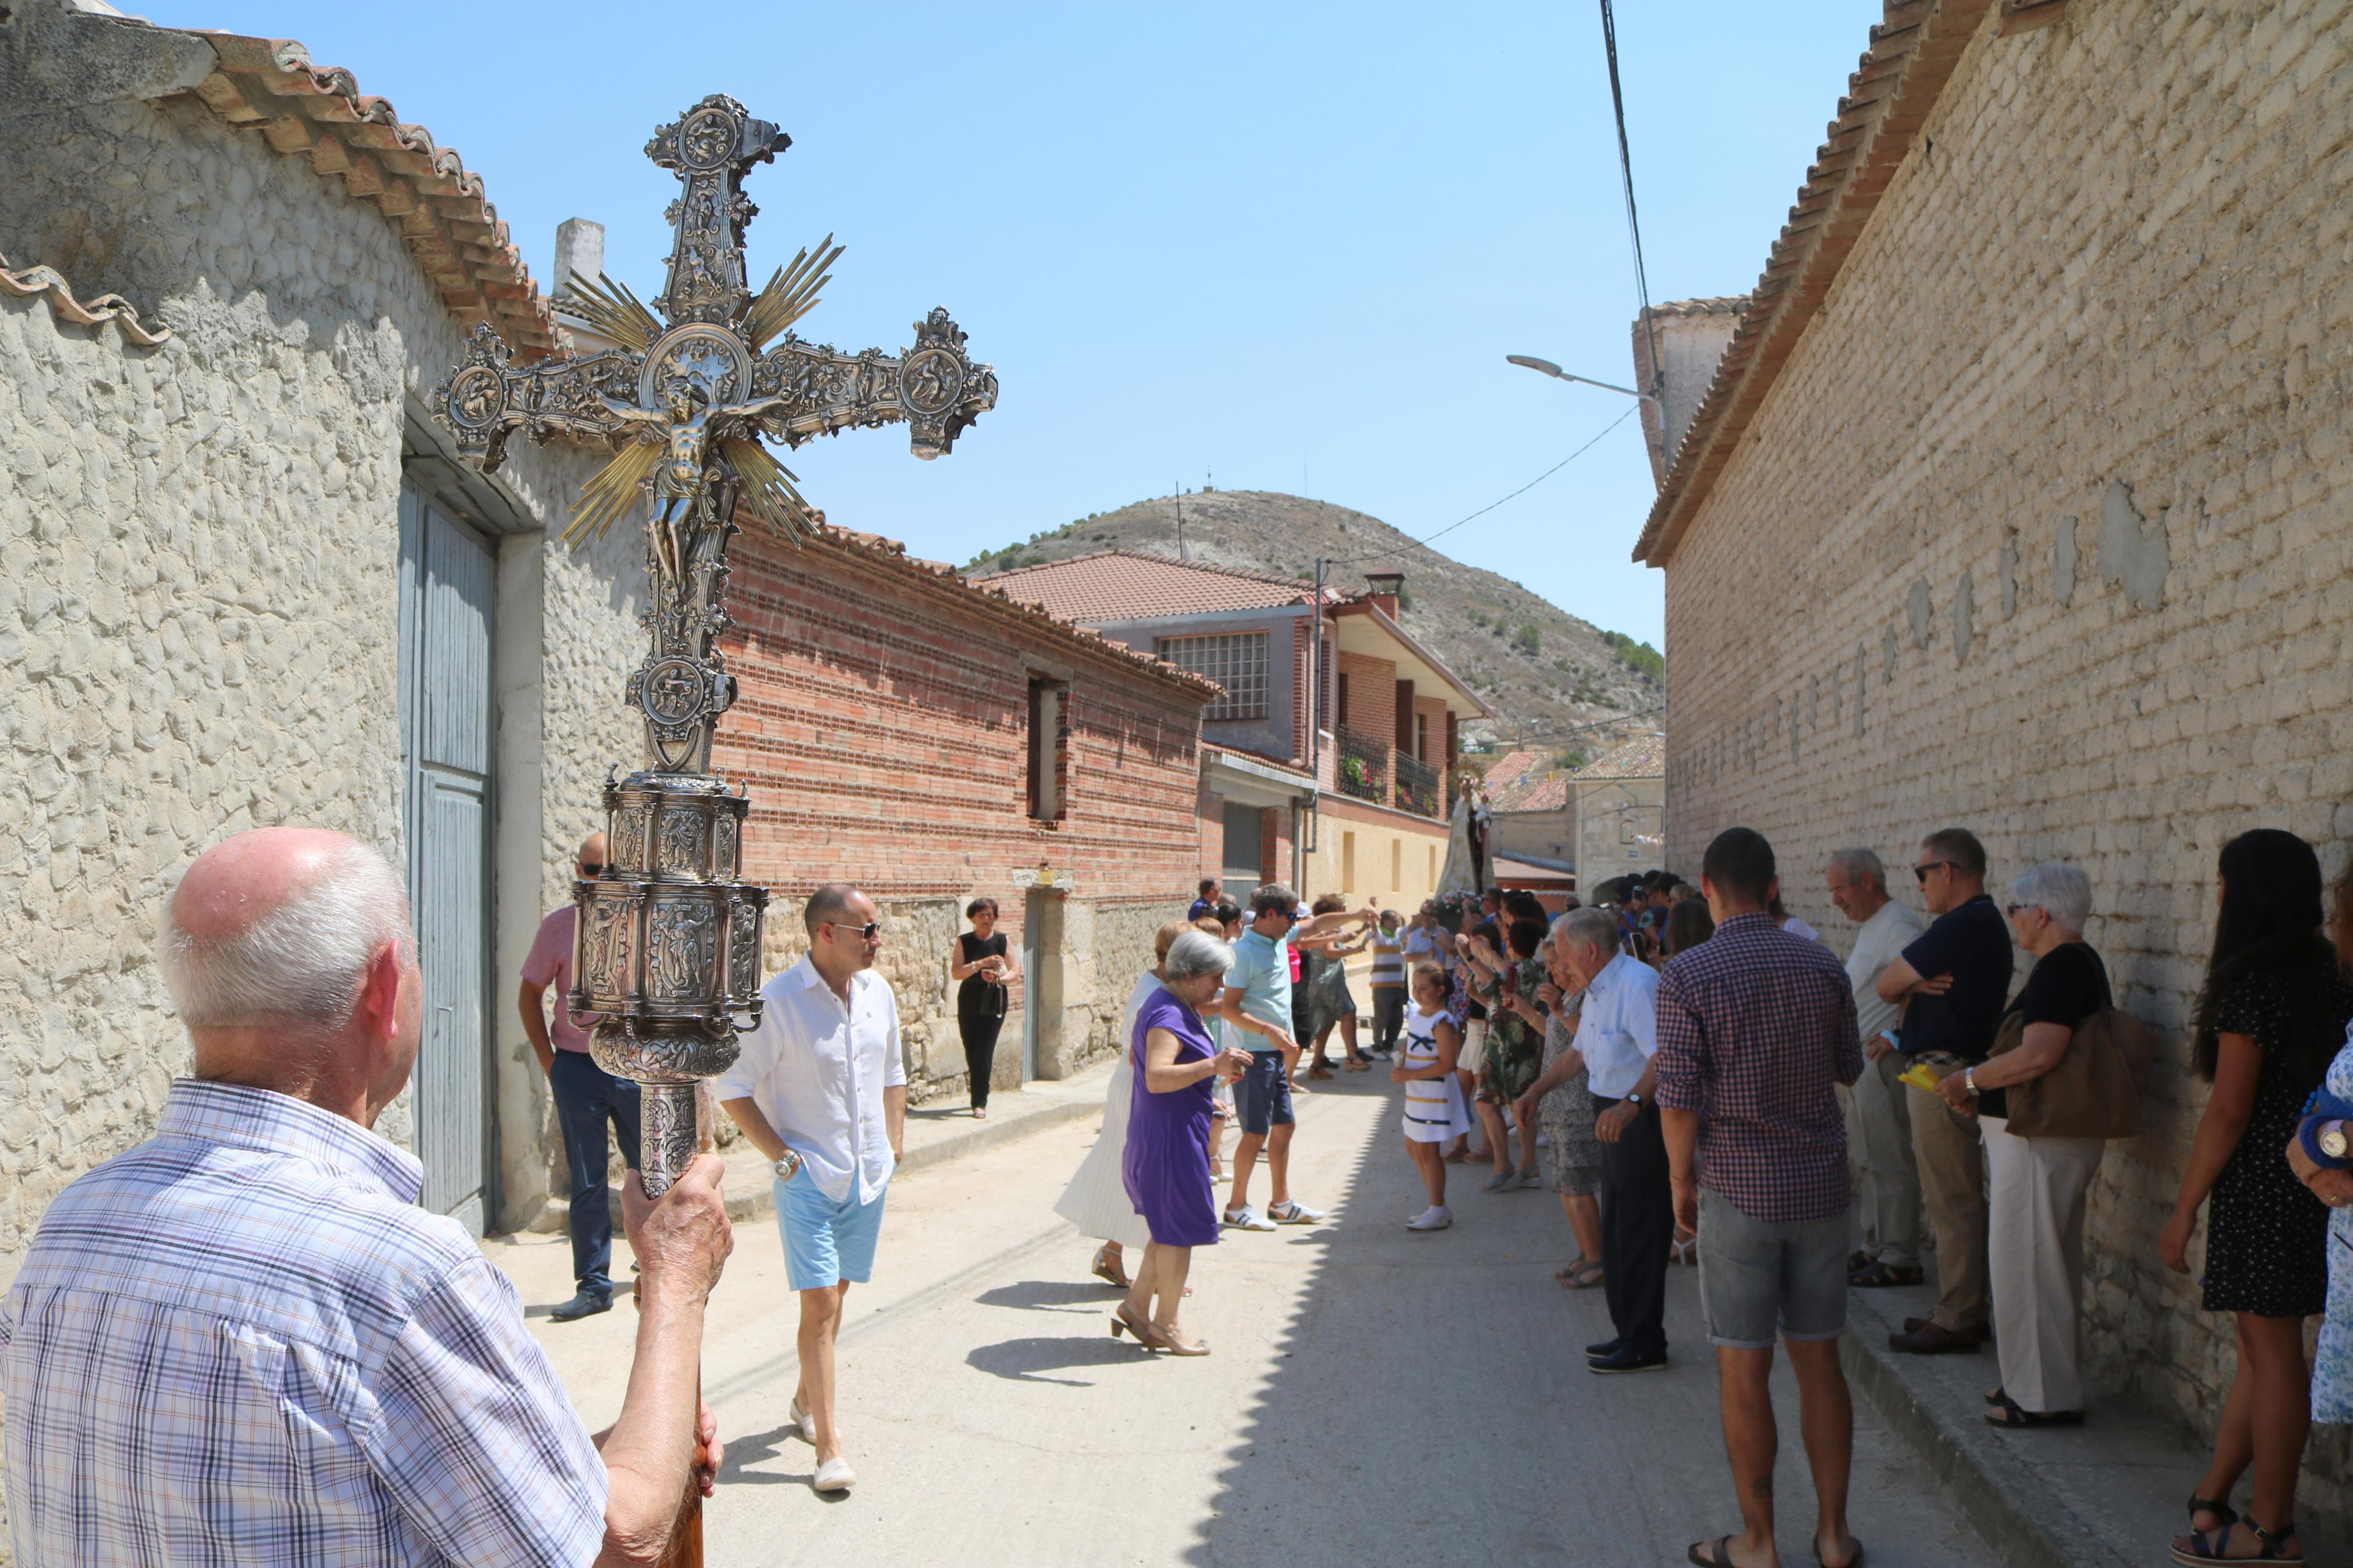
(1919, 1076)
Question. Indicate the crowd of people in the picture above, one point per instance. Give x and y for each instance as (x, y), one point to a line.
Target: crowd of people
(1692, 1071)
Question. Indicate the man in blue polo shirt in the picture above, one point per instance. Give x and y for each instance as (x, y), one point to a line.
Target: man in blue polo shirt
(1257, 1005)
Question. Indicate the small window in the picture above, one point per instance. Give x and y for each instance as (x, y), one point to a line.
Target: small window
(1235, 660)
(1047, 773)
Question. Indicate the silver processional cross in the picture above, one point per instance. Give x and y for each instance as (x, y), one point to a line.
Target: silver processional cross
(666, 949)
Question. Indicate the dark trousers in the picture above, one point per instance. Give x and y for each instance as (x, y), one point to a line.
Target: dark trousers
(979, 1032)
(586, 1099)
(1638, 1226)
(1388, 1016)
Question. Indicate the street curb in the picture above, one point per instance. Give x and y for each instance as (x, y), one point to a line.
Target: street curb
(2017, 1513)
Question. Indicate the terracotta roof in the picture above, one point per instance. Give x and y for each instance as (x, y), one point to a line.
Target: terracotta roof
(1712, 305)
(1510, 769)
(50, 282)
(1125, 585)
(938, 577)
(1536, 795)
(1913, 49)
(1643, 757)
(269, 86)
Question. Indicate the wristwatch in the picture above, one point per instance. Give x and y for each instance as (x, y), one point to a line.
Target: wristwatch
(1969, 1081)
(789, 1167)
(2333, 1141)
(1634, 1098)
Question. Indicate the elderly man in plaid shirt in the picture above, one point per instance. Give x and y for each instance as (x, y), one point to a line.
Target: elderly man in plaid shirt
(241, 1341)
(1755, 1026)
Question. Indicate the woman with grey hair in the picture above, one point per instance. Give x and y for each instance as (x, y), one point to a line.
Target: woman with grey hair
(1167, 1163)
(2039, 1187)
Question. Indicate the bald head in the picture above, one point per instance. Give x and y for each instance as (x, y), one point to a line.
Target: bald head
(592, 854)
(282, 944)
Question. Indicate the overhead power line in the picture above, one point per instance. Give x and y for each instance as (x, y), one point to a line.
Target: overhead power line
(1423, 543)
(1626, 172)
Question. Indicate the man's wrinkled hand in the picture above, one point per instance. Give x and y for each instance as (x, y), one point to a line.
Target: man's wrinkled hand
(681, 1238)
(709, 1453)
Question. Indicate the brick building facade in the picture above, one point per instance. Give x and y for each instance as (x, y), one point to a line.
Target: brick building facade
(2023, 499)
(928, 740)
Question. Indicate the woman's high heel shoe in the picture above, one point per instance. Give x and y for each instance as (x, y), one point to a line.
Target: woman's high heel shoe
(1125, 1319)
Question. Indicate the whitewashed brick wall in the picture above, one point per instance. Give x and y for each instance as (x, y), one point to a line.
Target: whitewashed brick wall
(2045, 532)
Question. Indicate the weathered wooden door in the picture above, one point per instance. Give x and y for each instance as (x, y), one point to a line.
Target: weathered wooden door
(445, 571)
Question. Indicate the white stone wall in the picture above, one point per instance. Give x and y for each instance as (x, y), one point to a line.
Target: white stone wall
(197, 623)
(2047, 530)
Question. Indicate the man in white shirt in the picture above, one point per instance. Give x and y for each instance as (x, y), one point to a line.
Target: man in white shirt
(1878, 1117)
(1618, 1034)
(821, 1089)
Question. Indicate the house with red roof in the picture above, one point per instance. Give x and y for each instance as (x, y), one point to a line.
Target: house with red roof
(1326, 761)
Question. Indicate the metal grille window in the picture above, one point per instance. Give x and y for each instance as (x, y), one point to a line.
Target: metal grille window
(1235, 660)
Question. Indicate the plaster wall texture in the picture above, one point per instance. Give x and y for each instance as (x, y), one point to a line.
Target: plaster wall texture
(2047, 530)
(198, 630)
(1547, 835)
(1690, 343)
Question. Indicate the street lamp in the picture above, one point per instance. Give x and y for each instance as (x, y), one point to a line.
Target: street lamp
(1546, 365)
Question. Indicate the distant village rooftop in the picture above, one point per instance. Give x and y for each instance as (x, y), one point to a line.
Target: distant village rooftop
(1127, 584)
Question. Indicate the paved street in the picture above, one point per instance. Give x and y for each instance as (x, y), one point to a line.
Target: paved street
(1374, 1396)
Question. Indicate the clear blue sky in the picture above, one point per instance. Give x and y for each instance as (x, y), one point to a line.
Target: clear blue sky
(1284, 245)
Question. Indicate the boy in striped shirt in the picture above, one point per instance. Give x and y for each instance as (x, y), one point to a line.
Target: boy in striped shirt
(1388, 984)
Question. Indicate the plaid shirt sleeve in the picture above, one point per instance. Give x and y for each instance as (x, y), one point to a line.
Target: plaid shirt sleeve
(1846, 1050)
(1682, 1057)
(475, 1437)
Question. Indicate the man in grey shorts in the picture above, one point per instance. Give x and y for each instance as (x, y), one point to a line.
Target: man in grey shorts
(1755, 1026)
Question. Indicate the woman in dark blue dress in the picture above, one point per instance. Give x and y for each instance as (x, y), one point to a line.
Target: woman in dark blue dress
(1166, 1165)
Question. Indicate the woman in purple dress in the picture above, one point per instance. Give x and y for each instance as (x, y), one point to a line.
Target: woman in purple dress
(1166, 1164)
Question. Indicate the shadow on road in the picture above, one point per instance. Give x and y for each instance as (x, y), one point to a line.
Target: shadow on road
(1052, 1296)
(758, 1448)
(1025, 1359)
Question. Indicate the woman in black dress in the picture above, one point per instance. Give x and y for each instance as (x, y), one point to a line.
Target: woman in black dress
(982, 967)
(2272, 1015)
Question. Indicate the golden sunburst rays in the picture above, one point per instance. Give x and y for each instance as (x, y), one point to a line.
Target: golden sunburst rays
(614, 491)
(791, 293)
(608, 307)
(768, 493)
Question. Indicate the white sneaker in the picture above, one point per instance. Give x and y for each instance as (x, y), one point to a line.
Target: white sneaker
(1293, 1213)
(1430, 1219)
(834, 1475)
(1248, 1219)
(801, 1420)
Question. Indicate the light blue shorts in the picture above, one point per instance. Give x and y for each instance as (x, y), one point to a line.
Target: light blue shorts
(826, 1241)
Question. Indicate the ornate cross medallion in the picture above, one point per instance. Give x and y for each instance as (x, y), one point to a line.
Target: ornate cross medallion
(667, 948)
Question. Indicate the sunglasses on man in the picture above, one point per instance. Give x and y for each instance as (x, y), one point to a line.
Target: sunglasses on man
(866, 932)
(592, 868)
(1920, 873)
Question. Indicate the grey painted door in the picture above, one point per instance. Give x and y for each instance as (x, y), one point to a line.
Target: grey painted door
(445, 572)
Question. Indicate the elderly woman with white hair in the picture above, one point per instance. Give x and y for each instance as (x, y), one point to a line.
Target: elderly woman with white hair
(2039, 1185)
(1166, 1162)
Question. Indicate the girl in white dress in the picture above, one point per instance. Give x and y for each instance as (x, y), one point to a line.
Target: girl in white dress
(1434, 1113)
(1096, 1200)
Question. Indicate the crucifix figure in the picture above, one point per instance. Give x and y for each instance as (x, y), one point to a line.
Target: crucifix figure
(668, 951)
(696, 384)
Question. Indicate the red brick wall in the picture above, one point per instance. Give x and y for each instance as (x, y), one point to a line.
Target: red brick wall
(882, 725)
(1372, 696)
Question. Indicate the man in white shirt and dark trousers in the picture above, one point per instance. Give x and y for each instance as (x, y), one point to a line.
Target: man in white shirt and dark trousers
(1879, 1116)
(821, 1089)
(1618, 1034)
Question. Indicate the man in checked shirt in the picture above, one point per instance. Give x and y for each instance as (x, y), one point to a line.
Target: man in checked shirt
(241, 1341)
(1755, 1026)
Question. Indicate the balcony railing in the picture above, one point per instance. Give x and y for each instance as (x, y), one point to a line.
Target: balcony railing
(1421, 789)
(1364, 766)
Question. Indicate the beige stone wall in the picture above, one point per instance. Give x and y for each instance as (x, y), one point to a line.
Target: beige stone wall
(2045, 531)
(197, 623)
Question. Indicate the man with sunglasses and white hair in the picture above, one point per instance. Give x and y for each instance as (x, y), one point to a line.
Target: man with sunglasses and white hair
(820, 1088)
